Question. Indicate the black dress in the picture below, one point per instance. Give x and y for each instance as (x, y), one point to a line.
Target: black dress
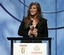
(42, 30)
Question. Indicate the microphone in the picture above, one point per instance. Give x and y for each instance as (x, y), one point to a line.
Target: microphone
(31, 27)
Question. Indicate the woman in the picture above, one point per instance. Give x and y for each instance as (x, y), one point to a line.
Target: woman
(33, 25)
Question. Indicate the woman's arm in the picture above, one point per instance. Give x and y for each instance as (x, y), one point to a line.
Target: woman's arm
(23, 31)
(43, 30)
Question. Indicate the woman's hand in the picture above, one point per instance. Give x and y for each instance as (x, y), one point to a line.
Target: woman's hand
(30, 32)
(35, 32)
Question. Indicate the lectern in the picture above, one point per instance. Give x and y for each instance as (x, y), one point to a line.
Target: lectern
(12, 39)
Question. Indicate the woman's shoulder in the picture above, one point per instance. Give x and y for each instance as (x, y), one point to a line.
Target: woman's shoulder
(43, 19)
(24, 18)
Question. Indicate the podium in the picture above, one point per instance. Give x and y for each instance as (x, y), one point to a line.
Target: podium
(12, 39)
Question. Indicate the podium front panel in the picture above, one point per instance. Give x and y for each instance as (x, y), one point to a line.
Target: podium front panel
(30, 48)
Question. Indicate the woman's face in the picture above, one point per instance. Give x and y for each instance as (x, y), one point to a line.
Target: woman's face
(33, 10)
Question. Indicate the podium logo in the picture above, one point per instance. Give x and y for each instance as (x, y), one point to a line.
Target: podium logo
(23, 49)
(36, 48)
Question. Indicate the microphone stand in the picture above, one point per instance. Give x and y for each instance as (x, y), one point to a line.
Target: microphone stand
(31, 27)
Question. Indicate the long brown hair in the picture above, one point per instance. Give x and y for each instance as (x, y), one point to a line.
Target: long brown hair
(39, 13)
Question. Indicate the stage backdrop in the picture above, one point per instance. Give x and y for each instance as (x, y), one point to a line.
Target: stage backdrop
(12, 12)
